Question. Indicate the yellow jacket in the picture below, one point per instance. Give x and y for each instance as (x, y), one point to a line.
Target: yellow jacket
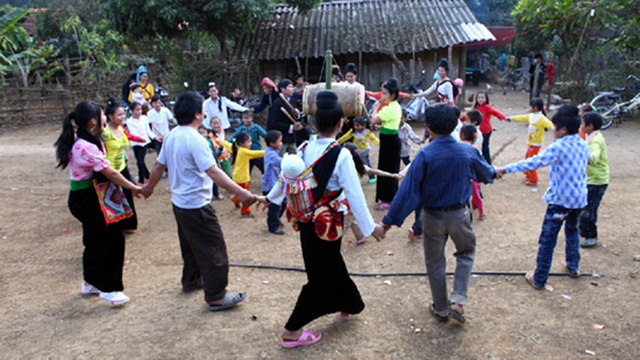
(147, 90)
(538, 123)
(241, 173)
(361, 140)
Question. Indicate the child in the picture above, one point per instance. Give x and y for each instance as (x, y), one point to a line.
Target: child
(361, 137)
(241, 157)
(405, 133)
(468, 135)
(138, 125)
(482, 105)
(568, 156)
(474, 117)
(216, 137)
(256, 131)
(362, 170)
(137, 95)
(597, 177)
(215, 151)
(160, 117)
(538, 124)
(272, 161)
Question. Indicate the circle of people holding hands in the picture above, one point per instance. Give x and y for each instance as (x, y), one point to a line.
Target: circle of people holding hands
(315, 181)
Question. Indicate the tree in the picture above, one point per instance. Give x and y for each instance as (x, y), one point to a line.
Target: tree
(225, 19)
(493, 12)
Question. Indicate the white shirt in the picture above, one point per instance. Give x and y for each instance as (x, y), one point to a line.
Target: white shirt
(161, 119)
(140, 127)
(213, 109)
(187, 156)
(344, 177)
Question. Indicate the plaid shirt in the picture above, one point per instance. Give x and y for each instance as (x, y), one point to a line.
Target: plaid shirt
(255, 132)
(568, 158)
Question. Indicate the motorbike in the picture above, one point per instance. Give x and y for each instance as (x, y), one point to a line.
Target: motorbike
(415, 107)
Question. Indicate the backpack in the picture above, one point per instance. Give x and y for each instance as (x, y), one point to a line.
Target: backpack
(456, 91)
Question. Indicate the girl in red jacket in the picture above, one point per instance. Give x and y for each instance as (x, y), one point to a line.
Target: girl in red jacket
(482, 105)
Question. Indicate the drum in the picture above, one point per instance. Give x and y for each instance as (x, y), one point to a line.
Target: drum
(350, 98)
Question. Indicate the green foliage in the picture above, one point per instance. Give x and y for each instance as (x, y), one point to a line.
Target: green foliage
(588, 37)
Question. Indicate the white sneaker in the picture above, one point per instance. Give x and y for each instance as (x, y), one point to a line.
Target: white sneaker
(114, 297)
(88, 289)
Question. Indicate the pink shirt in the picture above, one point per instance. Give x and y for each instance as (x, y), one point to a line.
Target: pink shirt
(84, 159)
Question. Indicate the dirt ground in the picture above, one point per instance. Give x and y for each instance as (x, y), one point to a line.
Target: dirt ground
(44, 316)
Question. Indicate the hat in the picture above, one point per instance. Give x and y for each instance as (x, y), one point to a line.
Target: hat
(444, 64)
(292, 166)
(327, 100)
(268, 83)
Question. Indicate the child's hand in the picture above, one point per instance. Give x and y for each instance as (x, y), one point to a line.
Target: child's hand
(507, 119)
(262, 200)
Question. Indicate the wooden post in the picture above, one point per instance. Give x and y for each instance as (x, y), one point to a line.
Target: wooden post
(328, 60)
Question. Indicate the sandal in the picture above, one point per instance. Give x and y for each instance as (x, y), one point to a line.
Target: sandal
(230, 300)
(529, 278)
(575, 275)
(344, 316)
(361, 241)
(436, 315)
(411, 235)
(457, 315)
(307, 338)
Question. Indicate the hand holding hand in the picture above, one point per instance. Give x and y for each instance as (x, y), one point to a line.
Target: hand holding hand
(500, 172)
(145, 191)
(246, 198)
(379, 232)
(508, 119)
(262, 200)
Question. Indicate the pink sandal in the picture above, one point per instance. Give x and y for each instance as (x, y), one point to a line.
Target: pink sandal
(344, 316)
(361, 241)
(307, 337)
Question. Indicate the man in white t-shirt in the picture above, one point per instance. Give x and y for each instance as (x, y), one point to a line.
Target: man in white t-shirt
(192, 168)
(160, 117)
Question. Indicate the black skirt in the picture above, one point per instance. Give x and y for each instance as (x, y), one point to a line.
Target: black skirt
(389, 161)
(329, 289)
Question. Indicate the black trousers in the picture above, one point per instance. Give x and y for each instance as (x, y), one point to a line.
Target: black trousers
(389, 161)
(103, 256)
(140, 153)
(204, 252)
(329, 288)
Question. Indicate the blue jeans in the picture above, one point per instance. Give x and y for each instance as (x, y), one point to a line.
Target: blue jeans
(486, 154)
(589, 217)
(555, 216)
(365, 160)
(274, 213)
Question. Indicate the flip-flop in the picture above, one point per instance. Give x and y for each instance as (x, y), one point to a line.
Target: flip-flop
(230, 300)
(344, 316)
(456, 315)
(361, 241)
(439, 317)
(572, 275)
(529, 278)
(307, 338)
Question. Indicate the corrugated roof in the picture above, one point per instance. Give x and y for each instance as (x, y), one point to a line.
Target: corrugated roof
(369, 26)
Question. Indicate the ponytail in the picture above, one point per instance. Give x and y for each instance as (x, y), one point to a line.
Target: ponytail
(65, 141)
(241, 138)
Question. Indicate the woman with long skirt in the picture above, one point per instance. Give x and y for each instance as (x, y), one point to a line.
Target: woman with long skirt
(390, 146)
(79, 147)
(329, 289)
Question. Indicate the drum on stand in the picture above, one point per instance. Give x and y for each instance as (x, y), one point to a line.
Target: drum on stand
(350, 98)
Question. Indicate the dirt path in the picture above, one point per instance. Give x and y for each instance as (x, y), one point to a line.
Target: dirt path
(43, 315)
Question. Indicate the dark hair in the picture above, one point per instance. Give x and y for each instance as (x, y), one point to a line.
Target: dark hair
(297, 76)
(284, 83)
(440, 119)
(468, 132)
(457, 112)
(112, 106)
(392, 86)
(593, 118)
(567, 117)
(350, 68)
(353, 149)
(187, 106)
(134, 105)
(538, 56)
(203, 127)
(79, 117)
(247, 113)
(486, 96)
(211, 85)
(241, 138)
(538, 103)
(361, 121)
(329, 111)
(272, 136)
(475, 117)
(444, 63)
(155, 98)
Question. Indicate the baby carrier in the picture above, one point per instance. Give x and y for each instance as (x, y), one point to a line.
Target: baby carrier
(308, 199)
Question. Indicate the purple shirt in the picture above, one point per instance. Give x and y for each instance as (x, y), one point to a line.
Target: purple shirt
(272, 160)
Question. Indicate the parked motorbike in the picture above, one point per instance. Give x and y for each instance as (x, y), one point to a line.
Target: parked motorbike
(416, 106)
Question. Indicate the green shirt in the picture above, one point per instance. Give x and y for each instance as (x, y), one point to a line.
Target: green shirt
(598, 168)
(390, 117)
